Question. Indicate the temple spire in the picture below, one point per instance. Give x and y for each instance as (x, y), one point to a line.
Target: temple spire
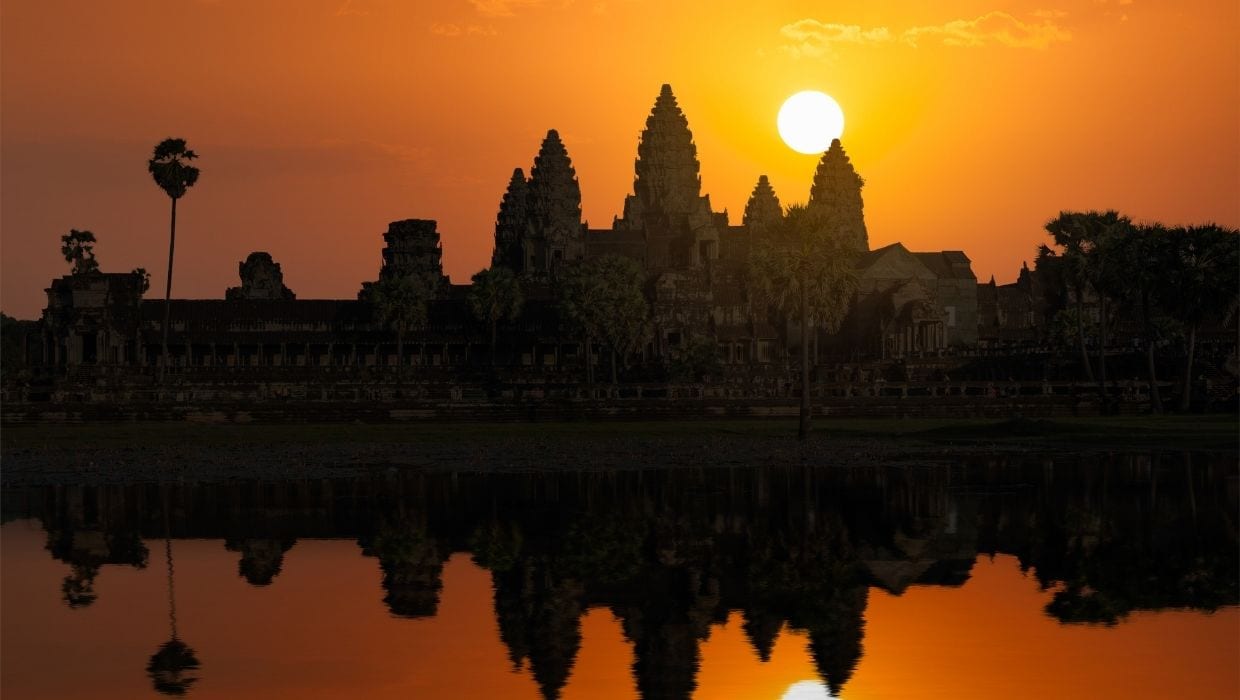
(510, 223)
(763, 211)
(667, 169)
(555, 204)
(837, 188)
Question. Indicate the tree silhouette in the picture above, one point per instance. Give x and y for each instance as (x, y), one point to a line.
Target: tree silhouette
(495, 296)
(1142, 255)
(1200, 283)
(171, 667)
(399, 303)
(78, 247)
(807, 268)
(605, 298)
(170, 169)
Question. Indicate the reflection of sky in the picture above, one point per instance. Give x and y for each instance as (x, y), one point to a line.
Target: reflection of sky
(320, 631)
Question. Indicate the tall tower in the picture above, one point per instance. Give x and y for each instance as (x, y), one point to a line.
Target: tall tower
(837, 190)
(553, 233)
(763, 211)
(666, 202)
(510, 224)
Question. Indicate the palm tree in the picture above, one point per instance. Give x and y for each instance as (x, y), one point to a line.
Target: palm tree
(1142, 255)
(170, 169)
(1088, 240)
(807, 268)
(605, 298)
(400, 304)
(495, 296)
(1200, 283)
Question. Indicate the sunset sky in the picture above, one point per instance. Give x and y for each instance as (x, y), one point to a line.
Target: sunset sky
(319, 121)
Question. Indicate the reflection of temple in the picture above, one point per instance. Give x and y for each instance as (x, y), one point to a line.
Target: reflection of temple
(671, 554)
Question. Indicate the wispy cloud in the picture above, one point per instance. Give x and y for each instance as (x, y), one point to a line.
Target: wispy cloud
(454, 30)
(994, 28)
(507, 8)
(815, 39)
(811, 38)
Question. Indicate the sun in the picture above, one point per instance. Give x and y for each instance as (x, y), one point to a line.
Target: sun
(807, 690)
(809, 121)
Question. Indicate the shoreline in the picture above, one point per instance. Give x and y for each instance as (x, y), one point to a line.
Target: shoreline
(137, 452)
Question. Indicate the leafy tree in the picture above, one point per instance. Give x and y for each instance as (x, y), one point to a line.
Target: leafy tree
(78, 247)
(1200, 283)
(698, 359)
(604, 298)
(495, 296)
(1142, 255)
(400, 304)
(170, 169)
(807, 269)
(1090, 242)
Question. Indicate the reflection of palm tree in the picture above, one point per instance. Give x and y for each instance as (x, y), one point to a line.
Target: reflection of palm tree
(171, 667)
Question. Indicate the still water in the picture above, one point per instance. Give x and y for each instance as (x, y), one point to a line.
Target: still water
(1028, 577)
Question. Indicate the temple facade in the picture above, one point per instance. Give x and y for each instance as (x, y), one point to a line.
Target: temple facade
(697, 264)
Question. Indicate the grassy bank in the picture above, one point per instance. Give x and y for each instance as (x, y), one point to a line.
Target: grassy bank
(1215, 432)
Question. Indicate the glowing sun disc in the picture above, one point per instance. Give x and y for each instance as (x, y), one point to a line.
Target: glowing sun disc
(807, 690)
(809, 121)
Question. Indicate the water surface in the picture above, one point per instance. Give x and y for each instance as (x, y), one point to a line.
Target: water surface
(1011, 577)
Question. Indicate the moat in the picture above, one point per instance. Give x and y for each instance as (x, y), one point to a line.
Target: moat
(975, 575)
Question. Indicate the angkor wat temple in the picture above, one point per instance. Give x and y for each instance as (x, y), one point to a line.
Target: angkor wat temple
(924, 311)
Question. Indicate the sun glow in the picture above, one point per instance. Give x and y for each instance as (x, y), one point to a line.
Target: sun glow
(807, 690)
(809, 121)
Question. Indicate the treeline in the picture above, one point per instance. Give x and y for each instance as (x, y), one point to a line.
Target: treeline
(1170, 280)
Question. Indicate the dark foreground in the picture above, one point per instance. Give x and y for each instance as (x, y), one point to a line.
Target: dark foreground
(127, 452)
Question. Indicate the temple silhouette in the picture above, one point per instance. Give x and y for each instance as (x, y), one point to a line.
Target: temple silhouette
(912, 316)
(671, 553)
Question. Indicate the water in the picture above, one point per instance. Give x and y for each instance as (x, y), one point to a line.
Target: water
(1024, 577)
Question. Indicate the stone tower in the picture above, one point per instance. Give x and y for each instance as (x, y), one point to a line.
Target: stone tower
(666, 203)
(554, 233)
(837, 189)
(763, 211)
(510, 224)
(261, 278)
(412, 248)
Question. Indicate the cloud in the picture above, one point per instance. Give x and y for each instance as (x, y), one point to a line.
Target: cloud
(810, 38)
(994, 28)
(504, 8)
(814, 39)
(454, 30)
(348, 8)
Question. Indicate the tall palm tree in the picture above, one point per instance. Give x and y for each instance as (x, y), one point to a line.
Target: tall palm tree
(170, 169)
(1089, 242)
(495, 296)
(1200, 283)
(399, 303)
(807, 269)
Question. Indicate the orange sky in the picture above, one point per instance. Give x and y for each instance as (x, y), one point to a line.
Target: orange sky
(318, 121)
(262, 642)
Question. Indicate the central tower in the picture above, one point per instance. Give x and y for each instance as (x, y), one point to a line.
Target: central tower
(666, 204)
